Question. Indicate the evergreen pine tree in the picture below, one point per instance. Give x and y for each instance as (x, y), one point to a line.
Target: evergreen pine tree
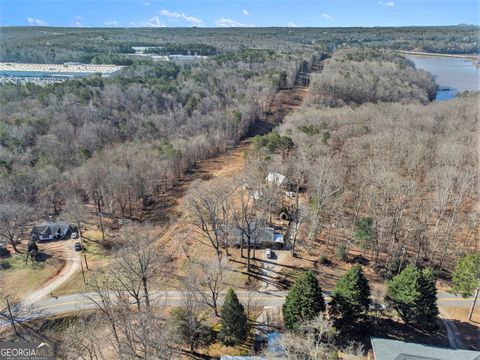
(466, 277)
(350, 298)
(234, 324)
(304, 301)
(427, 306)
(412, 294)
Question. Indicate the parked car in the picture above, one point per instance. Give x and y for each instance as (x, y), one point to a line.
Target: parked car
(77, 246)
(74, 235)
(268, 253)
(291, 194)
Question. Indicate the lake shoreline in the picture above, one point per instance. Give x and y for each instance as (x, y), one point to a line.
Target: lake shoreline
(453, 74)
(472, 57)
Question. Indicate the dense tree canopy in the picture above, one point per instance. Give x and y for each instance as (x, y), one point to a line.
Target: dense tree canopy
(132, 136)
(356, 76)
(394, 178)
(57, 45)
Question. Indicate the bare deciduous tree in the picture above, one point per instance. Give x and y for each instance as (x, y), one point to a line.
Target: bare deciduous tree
(13, 218)
(207, 278)
(210, 207)
(138, 264)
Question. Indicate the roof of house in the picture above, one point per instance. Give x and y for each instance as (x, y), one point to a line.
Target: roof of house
(275, 177)
(260, 233)
(386, 349)
(265, 234)
(48, 228)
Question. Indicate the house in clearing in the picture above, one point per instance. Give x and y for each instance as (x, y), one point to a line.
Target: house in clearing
(386, 349)
(52, 230)
(261, 237)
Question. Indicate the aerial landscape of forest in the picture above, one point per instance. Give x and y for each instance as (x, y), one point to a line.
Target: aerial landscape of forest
(239, 192)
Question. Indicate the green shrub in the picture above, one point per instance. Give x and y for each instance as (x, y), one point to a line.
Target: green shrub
(341, 252)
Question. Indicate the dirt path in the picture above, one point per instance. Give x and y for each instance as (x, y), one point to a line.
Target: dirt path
(228, 164)
(72, 265)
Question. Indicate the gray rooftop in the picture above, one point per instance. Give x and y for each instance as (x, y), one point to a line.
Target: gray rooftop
(386, 349)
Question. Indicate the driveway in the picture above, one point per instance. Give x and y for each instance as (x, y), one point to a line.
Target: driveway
(64, 249)
(272, 268)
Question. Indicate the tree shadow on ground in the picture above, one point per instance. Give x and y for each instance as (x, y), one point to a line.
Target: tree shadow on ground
(43, 257)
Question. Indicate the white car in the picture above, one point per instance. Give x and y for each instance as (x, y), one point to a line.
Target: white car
(268, 253)
(291, 194)
(74, 235)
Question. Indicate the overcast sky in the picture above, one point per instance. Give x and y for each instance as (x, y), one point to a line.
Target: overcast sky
(228, 13)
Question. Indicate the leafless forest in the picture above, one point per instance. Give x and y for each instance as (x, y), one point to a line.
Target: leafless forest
(378, 173)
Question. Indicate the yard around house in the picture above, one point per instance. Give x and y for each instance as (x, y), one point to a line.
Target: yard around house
(21, 278)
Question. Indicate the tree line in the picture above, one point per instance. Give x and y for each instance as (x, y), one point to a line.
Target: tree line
(360, 75)
(58, 45)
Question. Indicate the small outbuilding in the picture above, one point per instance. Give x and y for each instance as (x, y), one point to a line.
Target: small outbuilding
(278, 241)
(277, 179)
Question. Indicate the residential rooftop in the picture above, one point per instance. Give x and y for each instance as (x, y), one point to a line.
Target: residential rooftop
(386, 349)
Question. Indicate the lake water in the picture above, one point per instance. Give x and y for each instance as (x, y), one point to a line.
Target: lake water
(453, 75)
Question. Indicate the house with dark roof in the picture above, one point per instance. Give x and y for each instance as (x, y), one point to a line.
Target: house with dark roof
(52, 230)
(386, 349)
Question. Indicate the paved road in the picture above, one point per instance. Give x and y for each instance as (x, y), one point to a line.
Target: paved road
(80, 302)
(83, 302)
